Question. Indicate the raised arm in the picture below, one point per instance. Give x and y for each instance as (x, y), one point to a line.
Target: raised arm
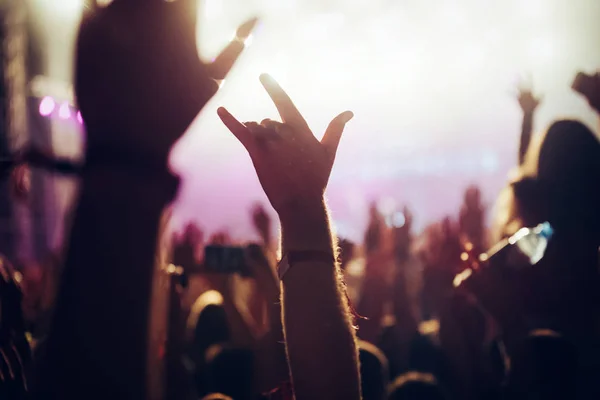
(139, 84)
(293, 168)
(528, 103)
(589, 87)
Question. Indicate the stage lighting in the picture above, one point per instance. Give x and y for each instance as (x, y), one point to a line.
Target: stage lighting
(541, 49)
(65, 111)
(212, 8)
(47, 106)
(65, 7)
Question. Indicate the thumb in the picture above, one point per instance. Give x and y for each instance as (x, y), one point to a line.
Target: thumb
(334, 131)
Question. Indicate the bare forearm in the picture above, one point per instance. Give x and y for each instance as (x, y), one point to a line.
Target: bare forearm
(320, 339)
(525, 140)
(99, 337)
(371, 305)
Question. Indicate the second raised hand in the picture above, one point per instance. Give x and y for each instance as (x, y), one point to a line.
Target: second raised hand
(292, 165)
(139, 79)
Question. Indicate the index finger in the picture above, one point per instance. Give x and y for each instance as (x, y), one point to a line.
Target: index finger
(286, 108)
(223, 63)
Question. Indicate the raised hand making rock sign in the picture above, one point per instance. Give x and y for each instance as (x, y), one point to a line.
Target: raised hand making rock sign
(292, 165)
(139, 80)
(293, 168)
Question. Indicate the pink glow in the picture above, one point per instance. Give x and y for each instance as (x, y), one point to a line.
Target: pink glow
(65, 111)
(79, 117)
(47, 106)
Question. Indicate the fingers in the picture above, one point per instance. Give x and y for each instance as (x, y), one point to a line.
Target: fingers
(245, 30)
(89, 6)
(239, 130)
(286, 108)
(90, 9)
(189, 10)
(334, 131)
(223, 63)
(274, 126)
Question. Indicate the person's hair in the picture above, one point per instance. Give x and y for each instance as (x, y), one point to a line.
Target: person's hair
(230, 371)
(415, 386)
(216, 396)
(544, 363)
(559, 182)
(207, 324)
(373, 371)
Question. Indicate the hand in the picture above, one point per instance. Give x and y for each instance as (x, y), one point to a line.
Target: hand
(292, 165)
(589, 87)
(220, 238)
(262, 272)
(139, 81)
(527, 100)
(403, 237)
(262, 223)
(375, 230)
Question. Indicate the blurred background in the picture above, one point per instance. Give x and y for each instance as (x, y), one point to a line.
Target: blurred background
(432, 84)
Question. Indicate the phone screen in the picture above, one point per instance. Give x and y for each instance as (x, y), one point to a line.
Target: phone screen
(225, 259)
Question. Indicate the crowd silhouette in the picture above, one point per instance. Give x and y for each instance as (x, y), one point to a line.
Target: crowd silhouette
(132, 310)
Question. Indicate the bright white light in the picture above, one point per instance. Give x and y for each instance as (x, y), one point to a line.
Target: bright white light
(541, 49)
(386, 205)
(398, 220)
(533, 8)
(322, 26)
(212, 8)
(65, 111)
(474, 57)
(452, 16)
(67, 8)
(47, 106)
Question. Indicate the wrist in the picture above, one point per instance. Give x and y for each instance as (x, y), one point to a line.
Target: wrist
(114, 184)
(527, 114)
(305, 226)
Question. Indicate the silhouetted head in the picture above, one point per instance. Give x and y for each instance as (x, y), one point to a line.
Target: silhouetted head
(559, 183)
(416, 386)
(230, 371)
(543, 366)
(373, 371)
(207, 324)
(216, 396)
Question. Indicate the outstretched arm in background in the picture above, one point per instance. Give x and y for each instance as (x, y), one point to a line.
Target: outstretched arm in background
(139, 84)
(589, 87)
(293, 168)
(528, 103)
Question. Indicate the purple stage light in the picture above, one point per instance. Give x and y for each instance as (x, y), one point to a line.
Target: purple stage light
(47, 106)
(65, 111)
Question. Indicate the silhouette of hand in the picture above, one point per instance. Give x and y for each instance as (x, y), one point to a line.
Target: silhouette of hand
(403, 236)
(139, 80)
(589, 87)
(292, 165)
(262, 223)
(528, 101)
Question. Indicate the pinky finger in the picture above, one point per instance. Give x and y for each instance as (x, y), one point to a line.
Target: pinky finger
(239, 130)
